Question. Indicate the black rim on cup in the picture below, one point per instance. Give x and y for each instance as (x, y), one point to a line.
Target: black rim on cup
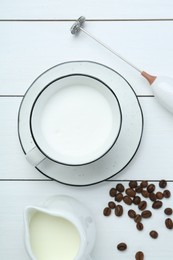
(33, 106)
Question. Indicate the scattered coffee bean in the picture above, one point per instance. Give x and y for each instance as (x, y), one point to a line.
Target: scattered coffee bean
(162, 184)
(131, 213)
(139, 189)
(152, 196)
(130, 192)
(168, 211)
(139, 226)
(138, 218)
(122, 246)
(144, 184)
(142, 205)
(111, 204)
(146, 214)
(112, 192)
(169, 223)
(153, 234)
(118, 210)
(107, 211)
(151, 188)
(127, 200)
(120, 187)
(157, 204)
(139, 255)
(118, 197)
(167, 194)
(159, 195)
(133, 184)
(145, 193)
(136, 200)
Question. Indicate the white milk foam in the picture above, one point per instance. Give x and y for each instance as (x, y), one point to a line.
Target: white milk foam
(53, 238)
(77, 121)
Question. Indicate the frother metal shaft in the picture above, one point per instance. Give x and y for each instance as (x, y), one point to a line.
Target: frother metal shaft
(77, 26)
(162, 86)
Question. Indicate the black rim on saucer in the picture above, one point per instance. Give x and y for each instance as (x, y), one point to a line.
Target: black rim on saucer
(113, 173)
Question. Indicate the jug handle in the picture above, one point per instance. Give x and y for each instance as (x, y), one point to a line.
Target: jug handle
(35, 156)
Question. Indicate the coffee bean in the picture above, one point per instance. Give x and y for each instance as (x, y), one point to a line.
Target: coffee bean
(151, 188)
(118, 197)
(142, 205)
(168, 211)
(112, 192)
(153, 234)
(139, 189)
(159, 195)
(152, 196)
(139, 255)
(133, 184)
(146, 214)
(120, 187)
(118, 210)
(107, 211)
(138, 218)
(145, 193)
(144, 184)
(136, 200)
(157, 204)
(122, 246)
(111, 204)
(127, 200)
(139, 226)
(131, 213)
(162, 184)
(167, 194)
(130, 192)
(169, 223)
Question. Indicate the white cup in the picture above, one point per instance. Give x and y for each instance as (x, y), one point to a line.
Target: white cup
(75, 120)
(61, 229)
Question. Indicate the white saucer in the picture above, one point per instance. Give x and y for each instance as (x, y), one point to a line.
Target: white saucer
(129, 138)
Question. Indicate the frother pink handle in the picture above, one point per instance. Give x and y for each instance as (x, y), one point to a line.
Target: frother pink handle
(148, 77)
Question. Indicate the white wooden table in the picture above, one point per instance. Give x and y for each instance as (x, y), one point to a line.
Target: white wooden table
(34, 36)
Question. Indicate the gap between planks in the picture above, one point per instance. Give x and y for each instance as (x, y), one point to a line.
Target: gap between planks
(51, 180)
(89, 20)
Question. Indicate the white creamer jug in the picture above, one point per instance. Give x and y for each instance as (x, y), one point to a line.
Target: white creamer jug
(62, 229)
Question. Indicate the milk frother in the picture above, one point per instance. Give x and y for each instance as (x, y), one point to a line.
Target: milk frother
(162, 86)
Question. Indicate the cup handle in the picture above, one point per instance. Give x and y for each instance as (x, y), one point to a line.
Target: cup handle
(34, 156)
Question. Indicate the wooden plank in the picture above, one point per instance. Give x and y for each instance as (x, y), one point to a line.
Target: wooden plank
(154, 157)
(15, 196)
(28, 49)
(152, 161)
(66, 9)
(13, 163)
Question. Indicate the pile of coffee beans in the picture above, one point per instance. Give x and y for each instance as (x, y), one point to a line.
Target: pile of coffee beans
(139, 194)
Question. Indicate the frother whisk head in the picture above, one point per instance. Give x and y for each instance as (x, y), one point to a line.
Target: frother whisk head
(77, 25)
